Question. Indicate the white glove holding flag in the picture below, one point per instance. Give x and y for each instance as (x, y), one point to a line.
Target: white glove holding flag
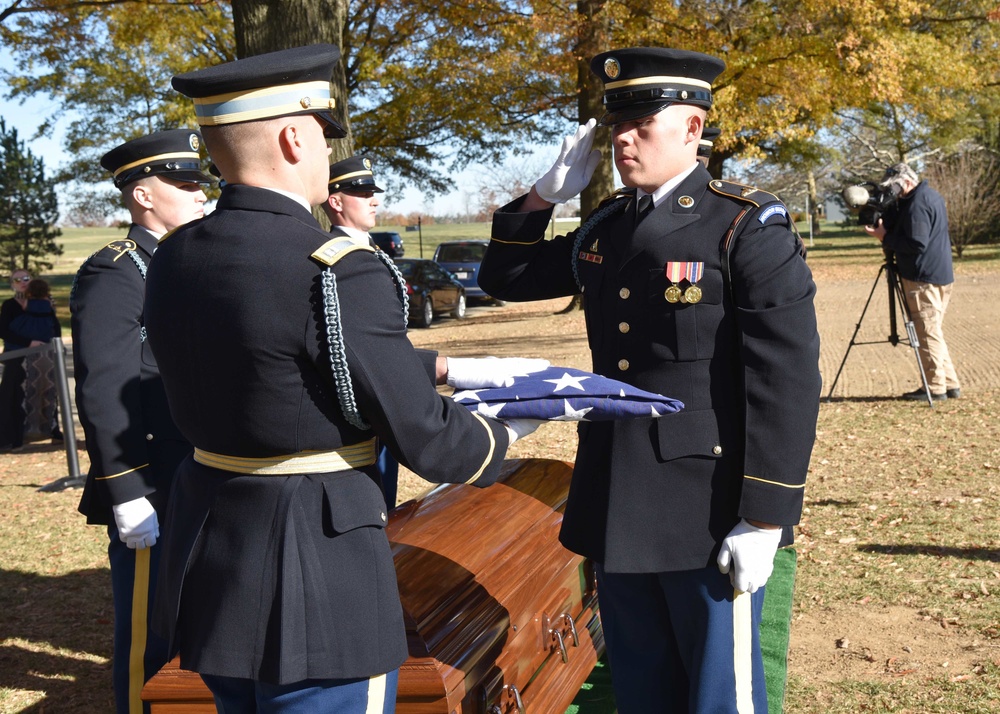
(571, 172)
(748, 555)
(520, 428)
(137, 524)
(490, 372)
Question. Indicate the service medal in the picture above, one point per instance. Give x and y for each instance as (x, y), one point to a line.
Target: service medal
(692, 294)
(673, 294)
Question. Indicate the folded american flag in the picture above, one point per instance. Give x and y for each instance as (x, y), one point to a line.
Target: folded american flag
(566, 394)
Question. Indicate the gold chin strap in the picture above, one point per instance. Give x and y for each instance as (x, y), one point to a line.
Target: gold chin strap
(305, 462)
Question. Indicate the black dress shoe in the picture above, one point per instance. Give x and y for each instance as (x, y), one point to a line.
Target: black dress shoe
(954, 393)
(921, 394)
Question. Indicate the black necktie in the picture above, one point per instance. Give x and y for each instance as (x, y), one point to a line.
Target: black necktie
(644, 206)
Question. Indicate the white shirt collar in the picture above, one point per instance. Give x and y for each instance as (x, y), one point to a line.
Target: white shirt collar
(301, 200)
(356, 233)
(660, 194)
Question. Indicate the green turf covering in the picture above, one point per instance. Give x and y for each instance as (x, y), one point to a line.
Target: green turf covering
(596, 695)
(776, 622)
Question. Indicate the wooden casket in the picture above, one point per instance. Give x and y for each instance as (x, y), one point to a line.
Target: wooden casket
(500, 618)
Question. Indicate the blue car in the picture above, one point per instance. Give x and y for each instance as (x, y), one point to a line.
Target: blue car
(462, 258)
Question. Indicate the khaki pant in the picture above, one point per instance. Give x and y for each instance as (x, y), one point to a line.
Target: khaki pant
(927, 303)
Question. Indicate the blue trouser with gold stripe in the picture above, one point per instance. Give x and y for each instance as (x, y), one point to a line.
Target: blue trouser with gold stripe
(138, 653)
(682, 642)
(374, 695)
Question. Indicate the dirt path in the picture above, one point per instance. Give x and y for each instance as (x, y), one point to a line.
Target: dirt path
(972, 330)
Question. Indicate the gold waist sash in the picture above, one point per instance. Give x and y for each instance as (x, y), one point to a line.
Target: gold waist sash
(304, 462)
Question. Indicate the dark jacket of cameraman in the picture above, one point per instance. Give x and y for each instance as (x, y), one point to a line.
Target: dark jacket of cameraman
(918, 235)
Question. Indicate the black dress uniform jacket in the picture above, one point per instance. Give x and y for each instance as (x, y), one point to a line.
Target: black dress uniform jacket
(659, 495)
(133, 444)
(283, 578)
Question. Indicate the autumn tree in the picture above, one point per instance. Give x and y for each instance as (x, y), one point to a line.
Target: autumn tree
(423, 82)
(29, 208)
(454, 83)
(85, 55)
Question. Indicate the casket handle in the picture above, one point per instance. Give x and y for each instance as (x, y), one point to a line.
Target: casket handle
(557, 635)
(572, 628)
(512, 693)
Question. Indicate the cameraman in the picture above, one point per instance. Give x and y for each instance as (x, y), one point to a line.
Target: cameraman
(916, 230)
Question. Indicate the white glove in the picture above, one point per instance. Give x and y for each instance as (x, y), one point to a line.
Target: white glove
(490, 372)
(520, 428)
(137, 524)
(571, 172)
(750, 551)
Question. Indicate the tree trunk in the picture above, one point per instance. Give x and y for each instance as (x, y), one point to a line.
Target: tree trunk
(575, 304)
(594, 38)
(815, 210)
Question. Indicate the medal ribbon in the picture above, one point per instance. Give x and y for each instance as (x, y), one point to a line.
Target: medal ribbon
(675, 270)
(694, 272)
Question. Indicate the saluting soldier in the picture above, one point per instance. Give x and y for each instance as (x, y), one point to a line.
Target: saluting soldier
(133, 445)
(284, 354)
(695, 288)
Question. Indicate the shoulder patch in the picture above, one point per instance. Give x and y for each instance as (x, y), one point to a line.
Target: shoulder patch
(120, 246)
(776, 210)
(335, 249)
(741, 192)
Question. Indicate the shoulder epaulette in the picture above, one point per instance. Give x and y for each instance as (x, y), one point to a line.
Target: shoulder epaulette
(741, 192)
(620, 193)
(336, 248)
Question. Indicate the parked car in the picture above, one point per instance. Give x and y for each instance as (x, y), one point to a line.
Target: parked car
(389, 241)
(462, 257)
(432, 291)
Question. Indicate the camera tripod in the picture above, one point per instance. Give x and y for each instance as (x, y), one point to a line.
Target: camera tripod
(896, 296)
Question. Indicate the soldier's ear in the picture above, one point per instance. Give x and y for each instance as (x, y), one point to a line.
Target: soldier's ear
(141, 195)
(695, 123)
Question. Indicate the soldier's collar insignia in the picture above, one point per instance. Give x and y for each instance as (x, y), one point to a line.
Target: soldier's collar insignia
(685, 201)
(593, 246)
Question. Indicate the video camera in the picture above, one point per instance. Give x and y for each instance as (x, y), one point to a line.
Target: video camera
(872, 200)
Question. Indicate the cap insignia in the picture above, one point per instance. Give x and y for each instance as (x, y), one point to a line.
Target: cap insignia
(685, 201)
(612, 68)
(368, 163)
(193, 142)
